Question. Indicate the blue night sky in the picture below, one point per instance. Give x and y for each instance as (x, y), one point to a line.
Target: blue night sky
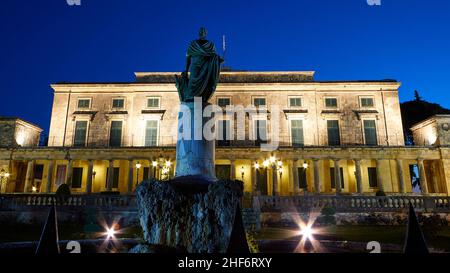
(48, 41)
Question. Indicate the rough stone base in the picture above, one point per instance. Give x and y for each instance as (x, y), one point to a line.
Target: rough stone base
(190, 213)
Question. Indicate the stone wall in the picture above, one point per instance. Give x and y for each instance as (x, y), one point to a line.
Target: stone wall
(15, 132)
(349, 112)
(433, 131)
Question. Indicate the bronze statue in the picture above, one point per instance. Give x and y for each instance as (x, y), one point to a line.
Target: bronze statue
(203, 65)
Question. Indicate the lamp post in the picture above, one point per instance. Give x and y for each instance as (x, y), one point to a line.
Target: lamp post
(154, 165)
(138, 166)
(277, 167)
(3, 179)
(164, 166)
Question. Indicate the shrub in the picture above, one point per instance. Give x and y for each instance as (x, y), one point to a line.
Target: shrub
(327, 216)
(328, 211)
(63, 190)
(380, 193)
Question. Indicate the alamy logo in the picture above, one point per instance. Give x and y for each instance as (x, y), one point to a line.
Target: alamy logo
(73, 2)
(374, 2)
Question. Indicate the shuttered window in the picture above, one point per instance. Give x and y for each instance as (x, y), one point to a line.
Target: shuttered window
(80, 133)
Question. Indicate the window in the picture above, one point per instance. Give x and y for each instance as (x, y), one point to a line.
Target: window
(295, 102)
(151, 133)
(118, 103)
(367, 102)
(259, 102)
(146, 173)
(224, 132)
(302, 183)
(260, 131)
(370, 132)
(331, 102)
(334, 138)
(261, 178)
(80, 133)
(373, 180)
(115, 183)
(77, 177)
(223, 102)
(84, 103)
(297, 133)
(333, 179)
(153, 103)
(115, 136)
(223, 172)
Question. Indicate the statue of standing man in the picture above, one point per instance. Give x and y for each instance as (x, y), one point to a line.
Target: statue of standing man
(203, 65)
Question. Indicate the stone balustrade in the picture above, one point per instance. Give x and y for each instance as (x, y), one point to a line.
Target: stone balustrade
(260, 203)
(351, 203)
(18, 201)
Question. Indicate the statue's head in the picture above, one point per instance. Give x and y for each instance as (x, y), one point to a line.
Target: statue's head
(202, 33)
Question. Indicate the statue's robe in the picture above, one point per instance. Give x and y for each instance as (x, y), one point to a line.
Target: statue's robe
(203, 72)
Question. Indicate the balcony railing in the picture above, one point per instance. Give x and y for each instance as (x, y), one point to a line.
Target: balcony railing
(352, 203)
(19, 202)
(170, 141)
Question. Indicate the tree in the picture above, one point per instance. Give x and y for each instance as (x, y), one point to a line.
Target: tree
(418, 110)
(417, 96)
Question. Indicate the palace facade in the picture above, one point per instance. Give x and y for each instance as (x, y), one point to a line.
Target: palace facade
(110, 136)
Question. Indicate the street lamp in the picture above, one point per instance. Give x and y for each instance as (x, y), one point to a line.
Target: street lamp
(276, 165)
(3, 178)
(154, 165)
(138, 166)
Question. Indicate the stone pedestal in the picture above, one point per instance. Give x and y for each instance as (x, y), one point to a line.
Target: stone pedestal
(191, 214)
(195, 154)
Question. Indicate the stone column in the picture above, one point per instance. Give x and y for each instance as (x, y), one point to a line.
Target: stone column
(29, 176)
(295, 175)
(49, 182)
(316, 176)
(435, 176)
(422, 177)
(89, 176)
(130, 175)
(337, 176)
(151, 169)
(195, 155)
(401, 179)
(110, 178)
(69, 173)
(233, 170)
(379, 175)
(358, 176)
(274, 181)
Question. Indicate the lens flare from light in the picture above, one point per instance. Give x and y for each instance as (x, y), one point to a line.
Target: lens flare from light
(307, 232)
(110, 233)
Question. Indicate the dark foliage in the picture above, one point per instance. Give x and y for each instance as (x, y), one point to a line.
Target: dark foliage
(63, 190)
(416, 111)
(380, 193)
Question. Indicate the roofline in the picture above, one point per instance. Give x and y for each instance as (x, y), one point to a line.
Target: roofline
(427, 120)
(308, 73)
(17, 119)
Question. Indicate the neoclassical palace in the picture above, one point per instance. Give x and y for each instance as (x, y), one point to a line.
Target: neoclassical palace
(336, 137)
